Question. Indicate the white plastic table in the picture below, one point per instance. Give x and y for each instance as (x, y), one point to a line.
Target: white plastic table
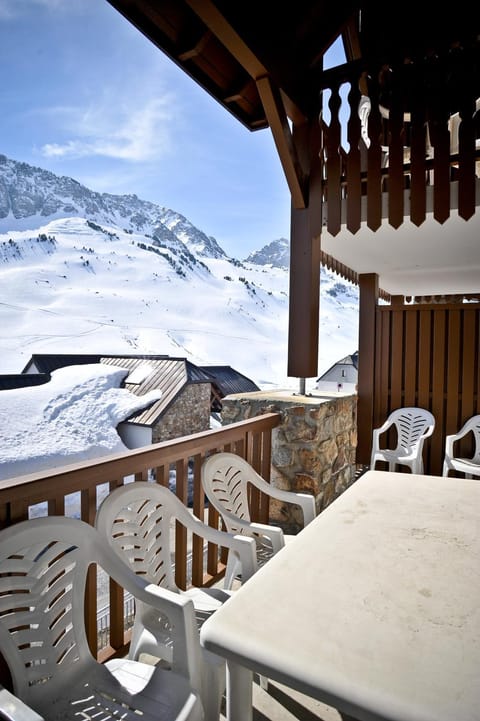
(374, 608)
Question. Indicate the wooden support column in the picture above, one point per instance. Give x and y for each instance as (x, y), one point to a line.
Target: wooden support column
(306, 224)
(368, 285)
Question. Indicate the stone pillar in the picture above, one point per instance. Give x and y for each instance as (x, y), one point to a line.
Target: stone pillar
(313, 449)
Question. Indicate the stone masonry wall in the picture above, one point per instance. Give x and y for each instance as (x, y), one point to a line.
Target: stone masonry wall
(313, 450)
(190, 413)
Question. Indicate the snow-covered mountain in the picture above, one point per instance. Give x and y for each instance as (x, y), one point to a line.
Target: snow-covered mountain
(82, 271)
(276, 254)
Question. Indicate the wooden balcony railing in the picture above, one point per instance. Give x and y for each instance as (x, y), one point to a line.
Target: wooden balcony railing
(399, 139)
(76, 490)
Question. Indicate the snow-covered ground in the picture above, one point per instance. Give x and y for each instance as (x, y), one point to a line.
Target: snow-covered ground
(75, 287)
(71, 418)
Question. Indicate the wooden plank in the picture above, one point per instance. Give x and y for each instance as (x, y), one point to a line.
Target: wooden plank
(418, 150)
(304, 291)
(282, 136)
(411, 359)
(395, 161)
(424, 358)
(466, 159)
(438, 391)
(198, 508)
(91, 609)
(88, 505)
(470, 346)
(181, 490)
(477, 386)
(453, 385)
(397, 360)
(334, 170)
(116, 604)
(354, 181)
(374, 169)
(260, 503)
(382, 366)
(441, 159)
(368, 284)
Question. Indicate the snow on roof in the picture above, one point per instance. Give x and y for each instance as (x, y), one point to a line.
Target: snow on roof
(71, 418)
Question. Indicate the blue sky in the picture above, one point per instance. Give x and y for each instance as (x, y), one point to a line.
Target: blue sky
(84, 94)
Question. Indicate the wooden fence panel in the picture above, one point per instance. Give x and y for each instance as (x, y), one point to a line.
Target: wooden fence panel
(428, 355)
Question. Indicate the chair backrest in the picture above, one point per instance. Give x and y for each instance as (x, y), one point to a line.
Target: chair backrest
(225, 479)
(138, 520)
(473, 426)
(43, 572)
(413, 425)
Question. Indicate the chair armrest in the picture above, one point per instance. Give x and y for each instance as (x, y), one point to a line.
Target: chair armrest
(449, 443)
(429, 431)
(273, 533)
(251, 528)
(178, 608)
(384, 427)
(245, 551)
(377, 432)
(14, 709)
(243, 547)
(306, 501)
(466, 428)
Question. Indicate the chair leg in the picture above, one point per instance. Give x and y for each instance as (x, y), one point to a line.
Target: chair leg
(213, 687)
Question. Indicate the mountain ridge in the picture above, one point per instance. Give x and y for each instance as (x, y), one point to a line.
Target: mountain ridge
(105, 273)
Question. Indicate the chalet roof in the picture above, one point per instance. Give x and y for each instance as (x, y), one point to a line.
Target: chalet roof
(48, 362)
(229, 381)
(349, 360)
(170, 375)
(227, 47)
(21, 380)
(146, 373)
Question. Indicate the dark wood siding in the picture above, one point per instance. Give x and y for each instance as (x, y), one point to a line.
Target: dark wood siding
(425, 355)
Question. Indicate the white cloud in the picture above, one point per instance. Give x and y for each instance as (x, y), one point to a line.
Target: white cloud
(133, 133)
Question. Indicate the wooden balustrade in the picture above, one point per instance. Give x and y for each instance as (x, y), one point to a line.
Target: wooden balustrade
(76, 490)
(400, 130)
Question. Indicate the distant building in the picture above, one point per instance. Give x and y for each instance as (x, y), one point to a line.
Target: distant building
(342, 376)
(19, 380)
(226, 380)
(190, 393)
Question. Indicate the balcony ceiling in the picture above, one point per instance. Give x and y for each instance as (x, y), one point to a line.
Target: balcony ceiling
(226, 46)
(432, 259)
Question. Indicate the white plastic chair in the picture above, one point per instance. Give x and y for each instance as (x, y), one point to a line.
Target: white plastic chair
(469, 466)
(225, 479)
(137, 520)
(43, 569)
(413, 426)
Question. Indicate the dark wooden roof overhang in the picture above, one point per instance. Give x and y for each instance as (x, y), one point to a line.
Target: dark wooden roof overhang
(263, 62)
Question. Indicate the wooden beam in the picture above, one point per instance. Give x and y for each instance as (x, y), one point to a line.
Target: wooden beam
(224, 32)
(221, 28)
(283, 138)
(304, 294)
(368, 284)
